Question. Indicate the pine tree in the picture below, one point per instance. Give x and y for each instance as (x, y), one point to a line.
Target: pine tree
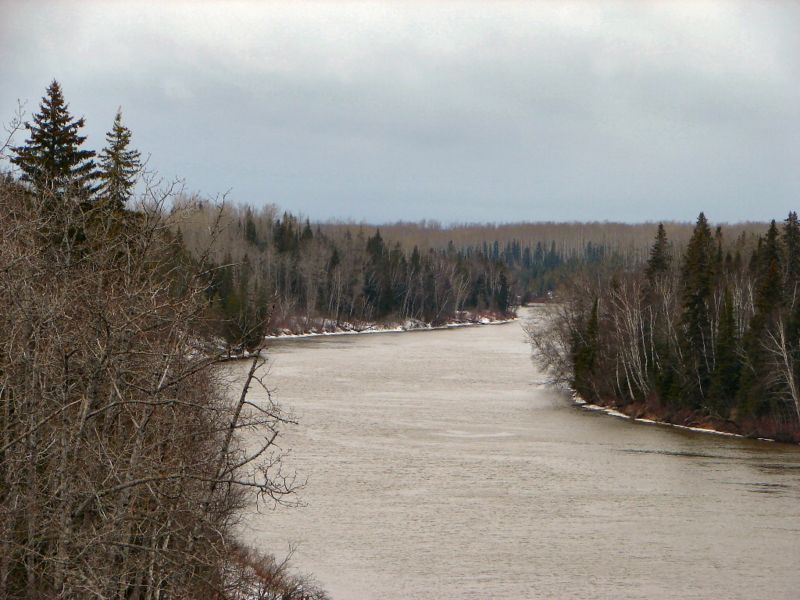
(791, 244)
(660, 258)
(285, 233)
(662, 364)
(308, 233)
(584, 354)
(769, 291)
(756, 383)
(250, 231)
(119, 166)
(375, 246)
(698, 279)
(502, 296)
(725, 378)
(52, 160)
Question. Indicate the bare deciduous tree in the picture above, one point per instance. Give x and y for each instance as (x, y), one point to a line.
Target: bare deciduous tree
(121, 466)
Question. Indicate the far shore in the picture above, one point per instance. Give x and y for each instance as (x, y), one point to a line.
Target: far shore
(391, 327)
(409, 325)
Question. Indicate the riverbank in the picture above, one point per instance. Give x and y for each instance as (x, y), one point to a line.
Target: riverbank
(325, 327)
(303, 328)
(640, 412)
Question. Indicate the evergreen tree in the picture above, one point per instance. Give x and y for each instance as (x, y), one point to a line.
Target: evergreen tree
(769, 292)
(377, 276)
(250, 231)
(527, 259)
(660, 259)
(429, 311)
(375, 246)
(416, 260)
(538, 254)
(308, 233)
(285, 234)
(502, 297)
(756, 382)
(698, 279)
(52, 160)
(584, 354)
(725, 379)
(791, 244)
(661, 367)
(119, 166)
(334, 260)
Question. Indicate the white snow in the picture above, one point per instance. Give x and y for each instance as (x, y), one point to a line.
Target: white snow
(615, 413)
(408, 325)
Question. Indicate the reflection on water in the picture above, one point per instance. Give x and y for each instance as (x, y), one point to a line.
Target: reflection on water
(439, 465)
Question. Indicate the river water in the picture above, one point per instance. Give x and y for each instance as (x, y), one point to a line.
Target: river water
(440, 465)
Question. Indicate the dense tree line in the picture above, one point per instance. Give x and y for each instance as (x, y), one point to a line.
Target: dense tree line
(308, 278)
(324, 276)
(122, 467)
(629, 242)
(707, 334)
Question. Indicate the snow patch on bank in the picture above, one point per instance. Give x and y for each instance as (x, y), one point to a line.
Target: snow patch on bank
(408, 325)
(582, 404)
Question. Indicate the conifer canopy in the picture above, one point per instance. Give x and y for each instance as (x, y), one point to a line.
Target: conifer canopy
(119, 165)
(52, 160)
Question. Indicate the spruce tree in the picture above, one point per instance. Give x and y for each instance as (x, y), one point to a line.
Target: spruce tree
(52, 160)
(725, 378)
(791, 245)
(769, 292)
(119, 166)
(661, 366)
(756, 383)
(308, 233)
(698, 280)
(250, 231)
(584, 349)
(502, 296)
(660, 259)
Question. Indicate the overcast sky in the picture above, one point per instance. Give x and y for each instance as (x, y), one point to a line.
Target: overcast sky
(490, 111)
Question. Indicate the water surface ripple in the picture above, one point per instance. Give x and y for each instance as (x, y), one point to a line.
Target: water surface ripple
(439, 465)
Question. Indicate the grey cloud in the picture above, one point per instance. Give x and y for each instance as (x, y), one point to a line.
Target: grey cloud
(458, 111)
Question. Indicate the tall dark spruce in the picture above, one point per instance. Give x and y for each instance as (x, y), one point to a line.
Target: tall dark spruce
(758, 385)
(698, 283)
(52, 159)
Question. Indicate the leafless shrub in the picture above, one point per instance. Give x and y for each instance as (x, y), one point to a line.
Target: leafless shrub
(121, 470)
(256, 576)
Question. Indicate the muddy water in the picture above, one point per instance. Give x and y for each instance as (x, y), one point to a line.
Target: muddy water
(439, 465)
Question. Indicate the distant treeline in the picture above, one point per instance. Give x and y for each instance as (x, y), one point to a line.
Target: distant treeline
(305, 274)
(705, 334)
(266, 265)
(570, 240)
(264, 261)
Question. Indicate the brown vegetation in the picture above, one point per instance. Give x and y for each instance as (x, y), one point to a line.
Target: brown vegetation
(121, 469)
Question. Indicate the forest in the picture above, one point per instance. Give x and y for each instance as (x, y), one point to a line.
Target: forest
(704, 334)
(332, 275)
(308, 279)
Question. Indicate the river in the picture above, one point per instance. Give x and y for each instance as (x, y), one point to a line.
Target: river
(440, 465)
